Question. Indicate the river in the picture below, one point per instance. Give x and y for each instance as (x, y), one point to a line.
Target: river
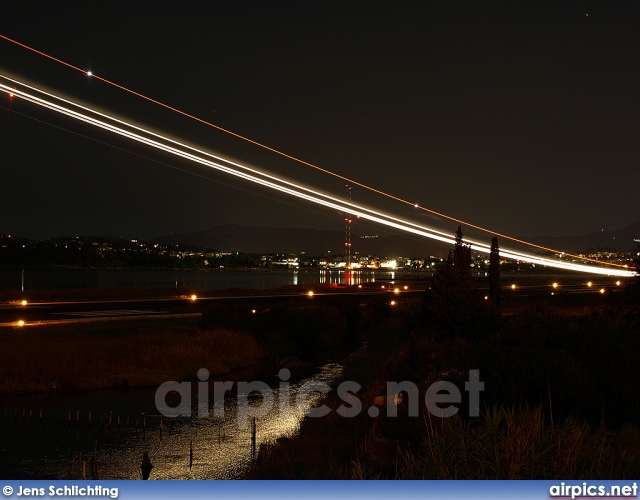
(55, 446)
(74, 279)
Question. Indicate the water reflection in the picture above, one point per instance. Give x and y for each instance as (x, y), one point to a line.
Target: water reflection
(123, 426)
(351, 276)
(73, 279)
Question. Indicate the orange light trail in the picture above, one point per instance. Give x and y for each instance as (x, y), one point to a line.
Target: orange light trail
(303, 162)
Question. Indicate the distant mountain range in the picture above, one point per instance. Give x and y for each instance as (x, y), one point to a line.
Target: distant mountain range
(620, 239)
(319, 242)
(311, 241)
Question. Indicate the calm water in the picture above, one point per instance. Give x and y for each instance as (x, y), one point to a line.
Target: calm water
(73, 279)
(51, 448)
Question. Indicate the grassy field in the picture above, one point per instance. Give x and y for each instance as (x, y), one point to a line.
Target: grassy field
(135, 353)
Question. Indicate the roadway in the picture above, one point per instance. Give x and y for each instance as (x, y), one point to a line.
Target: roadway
(72, 312)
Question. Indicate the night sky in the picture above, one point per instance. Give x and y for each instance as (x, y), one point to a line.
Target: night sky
(522, 118)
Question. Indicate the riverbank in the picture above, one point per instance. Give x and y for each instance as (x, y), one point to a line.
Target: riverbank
(131, 353)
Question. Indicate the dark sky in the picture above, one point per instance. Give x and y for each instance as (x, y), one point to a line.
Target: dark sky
(519, 116)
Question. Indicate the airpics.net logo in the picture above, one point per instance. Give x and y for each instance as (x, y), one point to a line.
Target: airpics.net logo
(440, 398)
(586, 490)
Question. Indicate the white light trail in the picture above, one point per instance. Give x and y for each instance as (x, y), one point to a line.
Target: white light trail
(166, 144)
(42, 102)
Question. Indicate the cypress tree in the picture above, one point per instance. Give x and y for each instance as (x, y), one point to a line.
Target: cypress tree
(494, 272)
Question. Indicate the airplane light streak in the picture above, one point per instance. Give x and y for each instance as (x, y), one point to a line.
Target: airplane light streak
(176, 148)
(303, 162)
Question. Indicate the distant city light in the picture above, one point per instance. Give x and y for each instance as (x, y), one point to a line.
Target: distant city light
(20, 322)
(589, 284)
(406, 287)
(310, 293)
(194, 297)
(393, 303)
(89, 73)
(396, 291)
(617, 283)
(555, 285)
(513, 287)
(602, 290)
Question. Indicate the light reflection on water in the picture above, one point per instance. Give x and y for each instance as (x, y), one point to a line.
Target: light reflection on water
(221, 450)
(74, 279)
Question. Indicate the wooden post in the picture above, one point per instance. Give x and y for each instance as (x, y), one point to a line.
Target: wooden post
(190, 454)
(94, 468)
(160, 429)
(253, 437)
(94, 461)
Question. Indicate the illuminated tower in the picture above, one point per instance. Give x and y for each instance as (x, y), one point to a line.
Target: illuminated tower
(347, 230)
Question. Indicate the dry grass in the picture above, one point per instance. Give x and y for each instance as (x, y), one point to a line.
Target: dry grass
(508, 443)
(117, 354)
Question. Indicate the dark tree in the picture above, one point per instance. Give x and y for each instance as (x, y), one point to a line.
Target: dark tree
(454, 303)
(637, 263)
(494, 272)
(462, 255)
